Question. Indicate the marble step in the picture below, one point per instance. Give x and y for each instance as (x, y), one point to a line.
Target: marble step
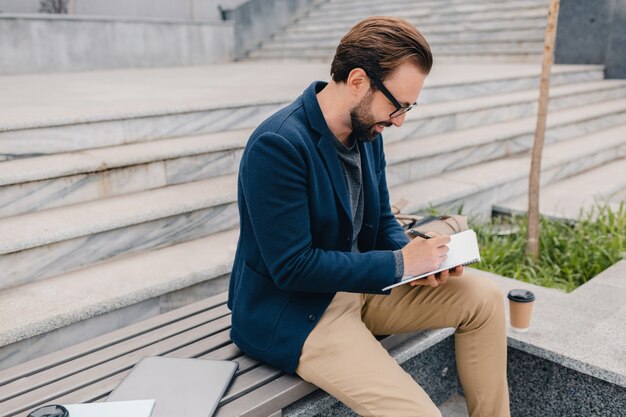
(42, 244)
(36, 246)
(427, 10)
(431, 20)
(503, 57)
(110, 108)
(98, 298)
(377, 6)
(34, 184)
(91, 121)
(566, 199)
(411, 160)
(477, 188)
(322, 55)
(44, 316)
(45, 182)
(513, 39)
(321, 33)
(436, 118)
(434, 16)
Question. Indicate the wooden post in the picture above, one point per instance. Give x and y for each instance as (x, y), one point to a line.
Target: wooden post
(532, 248)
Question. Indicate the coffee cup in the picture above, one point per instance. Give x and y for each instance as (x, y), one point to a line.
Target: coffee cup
(521, 309)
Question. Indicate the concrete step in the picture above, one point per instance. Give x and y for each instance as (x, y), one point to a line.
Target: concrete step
(42, 244)
(321, 32)
(182, 102)
(479, 42)
(503, 57)
(116, 292)
(410, 160)
(35, 184)
(36, 246)
(436, 118)
(44, 182)
(500, 55)
(476, 188)
(111, 108)
(44, 316)
(433, 16)
(428, 11)
(374, 6)
(568, 198)
(468, 29)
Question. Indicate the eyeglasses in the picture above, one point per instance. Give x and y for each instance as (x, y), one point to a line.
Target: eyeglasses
(53, 410)
(400, 109)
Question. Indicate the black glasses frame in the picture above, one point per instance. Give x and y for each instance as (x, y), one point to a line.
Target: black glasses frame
(400, 109)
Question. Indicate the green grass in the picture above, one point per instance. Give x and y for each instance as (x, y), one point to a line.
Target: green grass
(571, 253)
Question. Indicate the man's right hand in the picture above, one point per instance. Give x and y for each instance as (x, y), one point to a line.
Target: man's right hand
(423, 255)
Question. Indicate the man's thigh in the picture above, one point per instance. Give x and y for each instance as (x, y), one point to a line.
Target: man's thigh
(342, 357)
(408, 308)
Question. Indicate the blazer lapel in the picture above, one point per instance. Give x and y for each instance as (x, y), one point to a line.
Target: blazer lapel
(329, 155)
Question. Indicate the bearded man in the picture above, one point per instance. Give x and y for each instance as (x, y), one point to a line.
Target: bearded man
(318, 242)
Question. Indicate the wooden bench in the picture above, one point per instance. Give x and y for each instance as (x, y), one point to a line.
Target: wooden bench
(89, 371)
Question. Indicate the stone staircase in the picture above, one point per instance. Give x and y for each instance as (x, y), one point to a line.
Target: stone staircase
(114, 209)
(457, 30)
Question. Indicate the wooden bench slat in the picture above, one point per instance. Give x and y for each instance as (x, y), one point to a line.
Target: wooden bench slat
(114, 366)
(101, 389)
(49, 375)
(268, 399)
(246, 363)
(249, 381)
(78, 350)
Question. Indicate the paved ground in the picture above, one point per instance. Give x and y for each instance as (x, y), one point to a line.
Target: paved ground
(454, 407)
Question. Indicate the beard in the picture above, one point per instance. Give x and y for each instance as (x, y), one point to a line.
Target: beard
(363, 122)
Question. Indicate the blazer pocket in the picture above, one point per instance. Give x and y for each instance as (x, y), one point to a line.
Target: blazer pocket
(258, 308)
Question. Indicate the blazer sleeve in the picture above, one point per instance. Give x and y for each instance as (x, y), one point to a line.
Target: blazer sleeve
(274, 181)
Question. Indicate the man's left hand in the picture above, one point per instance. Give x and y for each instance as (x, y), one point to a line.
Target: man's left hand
(438, 279)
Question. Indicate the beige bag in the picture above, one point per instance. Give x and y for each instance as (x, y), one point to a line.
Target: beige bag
(443, 225)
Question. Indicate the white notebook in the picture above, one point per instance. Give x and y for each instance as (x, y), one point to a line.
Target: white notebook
(140, 408)
(462, 250)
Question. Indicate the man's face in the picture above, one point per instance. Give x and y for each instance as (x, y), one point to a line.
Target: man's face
(371, 115)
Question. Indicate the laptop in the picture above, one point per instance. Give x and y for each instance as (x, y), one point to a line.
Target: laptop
(181, 387)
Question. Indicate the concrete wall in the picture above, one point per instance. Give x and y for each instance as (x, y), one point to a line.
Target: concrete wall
(593, 32)
(257, 20)
(107, 35)
(199, 10)
(60, 43)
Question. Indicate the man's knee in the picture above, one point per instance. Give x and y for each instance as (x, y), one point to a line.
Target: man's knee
(486, 301)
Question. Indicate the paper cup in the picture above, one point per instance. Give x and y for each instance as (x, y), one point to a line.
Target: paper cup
(521, 309)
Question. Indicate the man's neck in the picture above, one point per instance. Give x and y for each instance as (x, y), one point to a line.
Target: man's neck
(336, 112)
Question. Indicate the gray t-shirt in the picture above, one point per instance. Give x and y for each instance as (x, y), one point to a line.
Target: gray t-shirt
(350, 159)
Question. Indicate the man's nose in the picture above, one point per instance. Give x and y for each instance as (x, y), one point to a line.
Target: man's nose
(398, 120)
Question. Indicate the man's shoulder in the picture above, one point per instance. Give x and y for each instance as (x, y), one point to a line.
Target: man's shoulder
(290, 122)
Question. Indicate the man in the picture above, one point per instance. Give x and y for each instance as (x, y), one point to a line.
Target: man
(318, 243)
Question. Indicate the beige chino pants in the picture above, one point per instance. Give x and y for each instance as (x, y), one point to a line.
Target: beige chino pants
(342, 356)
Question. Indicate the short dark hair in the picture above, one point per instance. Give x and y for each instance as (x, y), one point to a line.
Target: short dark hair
(378, 45)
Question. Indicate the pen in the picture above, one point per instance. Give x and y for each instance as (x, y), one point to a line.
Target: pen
(414, 232)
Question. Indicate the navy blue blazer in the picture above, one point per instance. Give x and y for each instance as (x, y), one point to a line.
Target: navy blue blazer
(294, 249)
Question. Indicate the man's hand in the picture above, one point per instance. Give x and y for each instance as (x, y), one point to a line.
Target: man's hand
(438, 279)
(423, 255)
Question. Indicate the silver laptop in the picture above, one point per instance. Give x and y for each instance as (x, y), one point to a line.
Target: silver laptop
(181, 387)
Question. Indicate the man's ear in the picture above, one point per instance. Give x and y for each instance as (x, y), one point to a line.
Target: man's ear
(358, 82)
